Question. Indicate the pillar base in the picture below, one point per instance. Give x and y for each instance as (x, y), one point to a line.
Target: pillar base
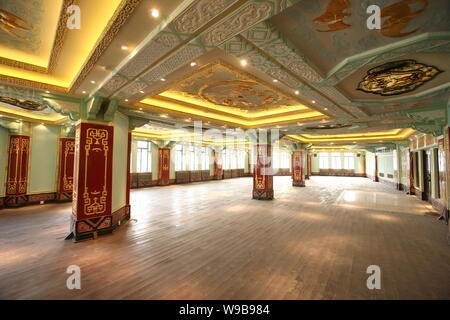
(263, 194)
(307, 177)
(298, 184)
(93, 227)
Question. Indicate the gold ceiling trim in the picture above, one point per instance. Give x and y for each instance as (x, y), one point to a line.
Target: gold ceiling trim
(277, 112)
(61, 32)
(56, 49)
(121, 15)
(234, 121)
(23, 115)
(366, 136)
(352, 135)
(31, 83)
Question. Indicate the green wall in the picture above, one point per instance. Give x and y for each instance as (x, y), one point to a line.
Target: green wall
(119, 176)
(386, 165)
(43, 159)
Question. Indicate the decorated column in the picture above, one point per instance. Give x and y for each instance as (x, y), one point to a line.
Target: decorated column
(17, 171)
(262, 174)
(128, 186)
(163, 166)
(447, 160)
(65, 172)
(92, 192)
(308, 166)
(218, 171)
(100, 193)
(375, 174)
(297, 169)
(364, 164)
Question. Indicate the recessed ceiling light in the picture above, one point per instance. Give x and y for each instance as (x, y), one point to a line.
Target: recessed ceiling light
(155, 13)
(83, 92)
(275, 80)
(92, 81)
(126, 100)
(314, 101)
(325, 109)
(163, 115)
(193, 64)
(244, 62)
(162, 79)
(140, 109)
(46, 91)
(187, 120)
(124, 47)
(141, 91)
(297, 92)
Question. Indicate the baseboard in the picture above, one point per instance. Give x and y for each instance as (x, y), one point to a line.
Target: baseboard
(32, 199)
(361, 175)
(63, 196)
(391, 183)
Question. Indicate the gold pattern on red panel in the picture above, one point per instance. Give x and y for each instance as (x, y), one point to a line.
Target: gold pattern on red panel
(95, 200)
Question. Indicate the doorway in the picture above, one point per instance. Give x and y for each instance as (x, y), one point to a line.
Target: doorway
(427, 173)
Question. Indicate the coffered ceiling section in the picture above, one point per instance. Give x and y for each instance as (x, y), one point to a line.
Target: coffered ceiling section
(22, 42)
(219, 92)
(296, 64)
(37, 48)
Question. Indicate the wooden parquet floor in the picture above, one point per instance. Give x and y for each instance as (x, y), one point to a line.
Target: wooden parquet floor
(212, 241)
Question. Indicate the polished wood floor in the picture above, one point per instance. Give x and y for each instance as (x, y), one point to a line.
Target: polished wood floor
(211, 241)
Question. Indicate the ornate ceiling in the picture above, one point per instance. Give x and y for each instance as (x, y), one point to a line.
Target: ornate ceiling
(310, 68)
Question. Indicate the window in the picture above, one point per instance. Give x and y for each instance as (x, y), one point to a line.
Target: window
(335, 160)
(205, 158)
(179, 160)
(144, 156)
(349, 161)
(225, 159)
(323, 160)
(233, 159)
(285, 160)
(241, 159)
(193, 160)
(275, 159)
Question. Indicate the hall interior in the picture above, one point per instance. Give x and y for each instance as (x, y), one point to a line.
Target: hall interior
(293, 136)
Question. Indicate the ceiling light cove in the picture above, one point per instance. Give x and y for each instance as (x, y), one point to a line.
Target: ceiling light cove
(390, 135)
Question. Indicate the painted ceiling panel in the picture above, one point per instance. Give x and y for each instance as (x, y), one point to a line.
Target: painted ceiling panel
(32, 44)
(329, 31)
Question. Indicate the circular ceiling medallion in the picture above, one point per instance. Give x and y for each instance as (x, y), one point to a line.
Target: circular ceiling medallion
(397, 77)
(243, 94)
